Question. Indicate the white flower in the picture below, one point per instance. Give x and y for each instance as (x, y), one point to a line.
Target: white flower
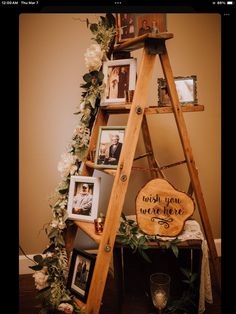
(66, 308)
(54, 223)
(40, 279)
(93, 57)
(67, 165)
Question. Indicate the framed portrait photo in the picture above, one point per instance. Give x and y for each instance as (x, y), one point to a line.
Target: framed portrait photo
(80, 273)
(119, 78)
(186, 89)
(109, 145)
(83, 198)
(131, 25)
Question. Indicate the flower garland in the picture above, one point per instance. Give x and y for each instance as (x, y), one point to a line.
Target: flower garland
(51, 268)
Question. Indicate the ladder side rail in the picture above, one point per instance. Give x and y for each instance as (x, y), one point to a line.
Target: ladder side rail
(101, 120)
(70, 231)
(120, 185)
(152, 162)
(190, 162)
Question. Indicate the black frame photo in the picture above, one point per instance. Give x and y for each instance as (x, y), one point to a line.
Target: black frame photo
(109, 145)
(186, 87)
(80, 273)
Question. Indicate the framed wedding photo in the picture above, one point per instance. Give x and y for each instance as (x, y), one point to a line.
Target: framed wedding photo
(125, 26)
(119, 78)
(186, 88)
(80, 273)
(130, 25)
(83, 198)
(109, 145)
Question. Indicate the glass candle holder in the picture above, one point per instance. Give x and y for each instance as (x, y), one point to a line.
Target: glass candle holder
(99, 225)
(159, 287)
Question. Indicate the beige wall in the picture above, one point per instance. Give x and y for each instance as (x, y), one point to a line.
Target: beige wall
(51, 62)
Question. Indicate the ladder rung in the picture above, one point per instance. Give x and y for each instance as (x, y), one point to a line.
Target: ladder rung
(88, 228)
(139, 42)
(81, 305)
(91, 164)
(186, 108)
(125, 108)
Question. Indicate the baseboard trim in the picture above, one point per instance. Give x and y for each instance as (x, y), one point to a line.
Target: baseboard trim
(24, 264)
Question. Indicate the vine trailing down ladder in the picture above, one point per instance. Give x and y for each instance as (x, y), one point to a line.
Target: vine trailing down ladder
(152, 45)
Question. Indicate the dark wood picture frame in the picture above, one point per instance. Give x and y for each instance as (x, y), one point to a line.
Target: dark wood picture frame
(186, 87)
(80, 273)
(131, 25)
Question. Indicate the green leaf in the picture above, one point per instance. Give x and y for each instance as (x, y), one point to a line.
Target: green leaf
(36, 267)
(186, 272)
(111, 19)
(63, 191)
(103, 20)
(100, 76)
(53, 233)
(93, 27)
(38, 258)
(175, 249)
(144, 255)
(87, 77)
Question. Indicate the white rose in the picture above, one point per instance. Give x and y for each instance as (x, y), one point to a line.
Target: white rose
(67, 165)
(66, 308)
(93, 57)
(40, 279)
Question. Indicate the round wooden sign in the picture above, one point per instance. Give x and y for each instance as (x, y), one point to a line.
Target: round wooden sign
(161, 209)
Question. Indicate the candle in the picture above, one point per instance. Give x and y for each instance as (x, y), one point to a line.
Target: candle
(160, 299)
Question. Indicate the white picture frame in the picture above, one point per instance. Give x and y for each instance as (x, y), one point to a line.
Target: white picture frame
(119, 78)
(87, 199)
(104, 146)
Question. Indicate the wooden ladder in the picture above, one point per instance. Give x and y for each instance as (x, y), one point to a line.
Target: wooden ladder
(152, 45)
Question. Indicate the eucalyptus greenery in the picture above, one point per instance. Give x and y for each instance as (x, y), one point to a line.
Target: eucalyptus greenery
(130, 234)
(186, 304)
(51, 267)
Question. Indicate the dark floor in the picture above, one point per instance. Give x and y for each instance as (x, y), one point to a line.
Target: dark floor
(28, 304)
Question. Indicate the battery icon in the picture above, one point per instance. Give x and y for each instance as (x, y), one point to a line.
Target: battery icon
(229, 2)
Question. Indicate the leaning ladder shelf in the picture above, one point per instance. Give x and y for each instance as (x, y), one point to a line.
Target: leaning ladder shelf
(137, 110)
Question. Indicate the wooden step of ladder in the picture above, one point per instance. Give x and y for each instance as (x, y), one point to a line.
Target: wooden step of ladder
(137, 111)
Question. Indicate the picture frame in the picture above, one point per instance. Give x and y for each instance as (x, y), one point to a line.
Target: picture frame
(80, 273)
(83, 198)
(106, 156)
(131, 25)
(186, 87)
(119, 78)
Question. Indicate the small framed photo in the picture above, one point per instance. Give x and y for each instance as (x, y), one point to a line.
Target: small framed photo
(109, 145)
(130, 25)
(186, 88)
(125, 26)
(80, 273)
(83, 198)
(153, 23)
(119, 78)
